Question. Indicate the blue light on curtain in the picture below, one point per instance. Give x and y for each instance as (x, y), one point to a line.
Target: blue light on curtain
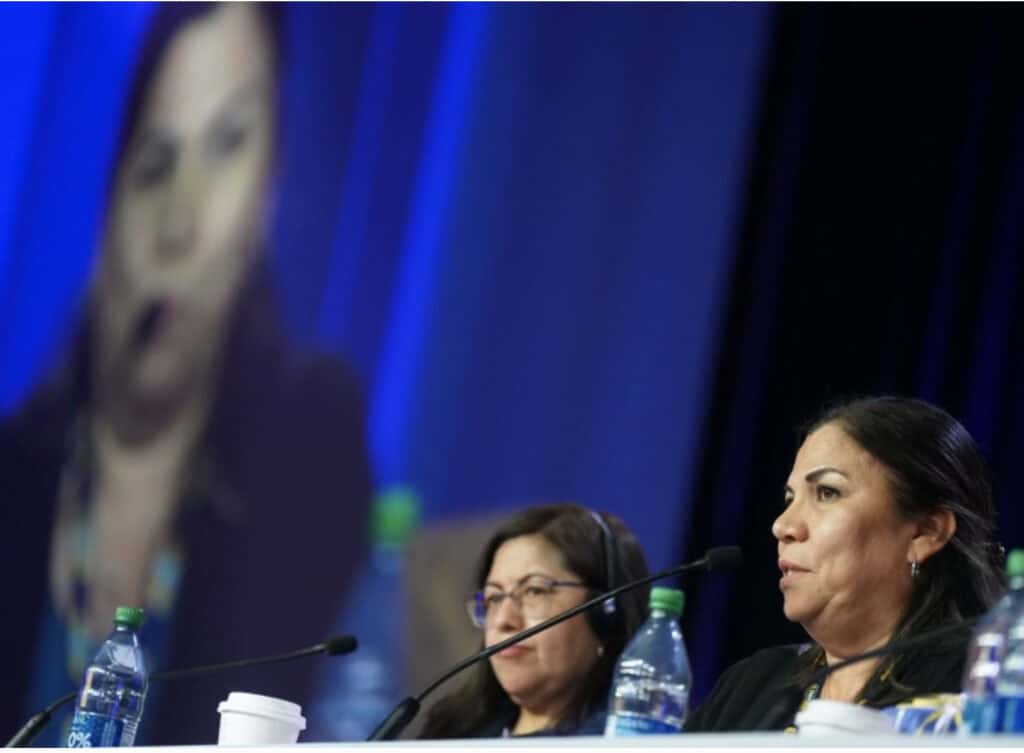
(66, 68)
(375, 91)
(424, 253)
(559, 346)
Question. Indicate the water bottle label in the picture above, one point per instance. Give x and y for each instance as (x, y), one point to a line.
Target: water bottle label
(984, 716)
(937, 714)
(625, 725)
(95, 731)
(1013, 714)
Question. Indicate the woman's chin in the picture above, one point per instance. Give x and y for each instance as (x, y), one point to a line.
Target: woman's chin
(517, 690)
(155, 389)
(148, 399)
(160, 375)
(794, 610)
(518, 682)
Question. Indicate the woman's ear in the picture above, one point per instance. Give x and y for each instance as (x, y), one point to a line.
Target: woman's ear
(934, 531)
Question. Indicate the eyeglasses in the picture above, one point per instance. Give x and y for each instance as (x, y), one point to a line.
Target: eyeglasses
(532, 597)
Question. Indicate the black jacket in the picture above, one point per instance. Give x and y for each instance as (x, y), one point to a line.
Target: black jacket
(763, 692)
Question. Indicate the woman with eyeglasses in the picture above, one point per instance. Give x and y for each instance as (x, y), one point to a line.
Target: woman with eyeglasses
(545, 560)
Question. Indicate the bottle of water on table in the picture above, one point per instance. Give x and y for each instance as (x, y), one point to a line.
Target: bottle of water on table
(652, 679)
(109, 704)
(1010, 681)
(983, 707)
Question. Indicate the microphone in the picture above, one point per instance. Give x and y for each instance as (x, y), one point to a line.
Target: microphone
(783, 707)
(334, 646)
(719, 558)
(145, 326)
(141, 331)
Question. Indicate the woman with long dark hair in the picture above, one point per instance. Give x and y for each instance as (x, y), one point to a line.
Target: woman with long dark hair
(545, 560)
(185, 458)
(887, 530)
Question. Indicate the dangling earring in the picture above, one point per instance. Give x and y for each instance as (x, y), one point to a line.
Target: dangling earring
(915, 568)
(600, 650)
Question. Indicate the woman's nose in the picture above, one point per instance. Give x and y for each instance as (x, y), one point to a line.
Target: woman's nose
(790, 525)
(178, 222)
(509, 615)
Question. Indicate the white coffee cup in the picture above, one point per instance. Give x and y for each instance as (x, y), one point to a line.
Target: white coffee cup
(251, 719)
(830, 718)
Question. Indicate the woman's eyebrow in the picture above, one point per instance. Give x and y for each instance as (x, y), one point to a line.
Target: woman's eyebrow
(819, 472)
(533, 574)
(237, 98)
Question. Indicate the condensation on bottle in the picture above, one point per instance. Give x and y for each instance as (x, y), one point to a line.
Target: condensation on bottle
(652, 682)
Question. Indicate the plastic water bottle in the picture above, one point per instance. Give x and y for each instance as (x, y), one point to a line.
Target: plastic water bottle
(113, 692)
(983, 707)
(1010, 683)
(652, 679)
(356, 693)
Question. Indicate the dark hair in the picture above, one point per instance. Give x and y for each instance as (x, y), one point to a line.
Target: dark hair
(572, 530)
(932, 463)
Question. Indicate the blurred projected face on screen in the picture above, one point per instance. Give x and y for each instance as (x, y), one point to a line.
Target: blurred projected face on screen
(187, 208)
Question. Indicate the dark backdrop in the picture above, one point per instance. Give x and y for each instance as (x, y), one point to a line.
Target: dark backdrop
(880, 252)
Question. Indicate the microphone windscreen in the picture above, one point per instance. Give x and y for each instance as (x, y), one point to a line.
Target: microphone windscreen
(724, 558)
(145, 325)
(340, 644)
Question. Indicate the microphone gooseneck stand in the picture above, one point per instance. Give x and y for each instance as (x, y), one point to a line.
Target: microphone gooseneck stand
(334, 646)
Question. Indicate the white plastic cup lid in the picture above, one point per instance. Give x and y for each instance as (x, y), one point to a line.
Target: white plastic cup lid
(264, 705)
(843, 718)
